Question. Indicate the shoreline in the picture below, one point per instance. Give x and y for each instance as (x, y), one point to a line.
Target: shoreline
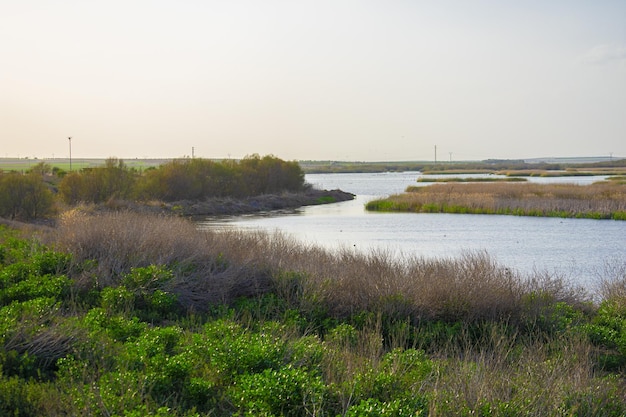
(226, 206)
(216, 206)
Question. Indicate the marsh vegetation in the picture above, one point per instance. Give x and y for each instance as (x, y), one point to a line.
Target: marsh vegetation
(427, 179)
(122, 314)
(604, 200)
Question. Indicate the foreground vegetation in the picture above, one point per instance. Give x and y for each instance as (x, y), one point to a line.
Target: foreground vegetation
(605, 200)
(126, 315)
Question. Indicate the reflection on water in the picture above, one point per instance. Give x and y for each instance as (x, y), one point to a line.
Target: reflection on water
(574, 248)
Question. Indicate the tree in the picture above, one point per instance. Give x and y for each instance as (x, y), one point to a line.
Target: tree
(24, 197)
(96, 185)
(271, 175)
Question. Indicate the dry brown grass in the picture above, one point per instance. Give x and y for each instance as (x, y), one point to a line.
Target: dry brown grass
(612, 283)
(211, 267)
(207, 267)
(600, 200)
(529, 378)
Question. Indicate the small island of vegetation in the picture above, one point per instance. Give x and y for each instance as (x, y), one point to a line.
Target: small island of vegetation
(603, 200)
(426, 179)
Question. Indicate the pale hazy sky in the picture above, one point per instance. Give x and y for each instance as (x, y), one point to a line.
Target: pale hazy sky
(333, 80)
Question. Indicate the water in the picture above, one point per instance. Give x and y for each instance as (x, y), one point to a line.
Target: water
(578, 249)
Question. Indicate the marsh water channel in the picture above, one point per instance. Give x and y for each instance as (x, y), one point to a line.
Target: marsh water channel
(578, 249)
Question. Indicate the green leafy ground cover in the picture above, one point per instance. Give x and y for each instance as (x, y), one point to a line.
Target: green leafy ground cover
(134, 349)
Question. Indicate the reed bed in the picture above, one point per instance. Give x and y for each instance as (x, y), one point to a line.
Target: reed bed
(472, 179)
(547, 173)
(603, 200)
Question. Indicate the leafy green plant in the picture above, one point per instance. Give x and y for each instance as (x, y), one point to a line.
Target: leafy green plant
(401, 407)
(286, 391)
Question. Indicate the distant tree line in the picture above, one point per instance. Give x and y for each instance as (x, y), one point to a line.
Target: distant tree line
(193, 179)
(31, 195)
(183, 179)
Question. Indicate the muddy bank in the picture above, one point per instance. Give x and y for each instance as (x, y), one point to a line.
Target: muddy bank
(231, 206)
(209, 207)
(234, 206)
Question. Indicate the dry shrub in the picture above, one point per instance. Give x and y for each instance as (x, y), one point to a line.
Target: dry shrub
(46, 346)
(213, 266)
(119, 241)
(534, 378)
(612, 282)
(202, 265)
(471, 287)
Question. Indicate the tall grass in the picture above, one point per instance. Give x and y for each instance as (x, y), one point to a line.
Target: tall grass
(213, 266)
(603, 200)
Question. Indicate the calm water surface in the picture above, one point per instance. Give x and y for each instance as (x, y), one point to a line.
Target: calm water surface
(574, 248)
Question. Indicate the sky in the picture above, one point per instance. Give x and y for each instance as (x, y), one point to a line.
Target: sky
(354, 80)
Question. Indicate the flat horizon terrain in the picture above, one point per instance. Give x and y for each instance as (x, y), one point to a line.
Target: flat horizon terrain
(25, 163)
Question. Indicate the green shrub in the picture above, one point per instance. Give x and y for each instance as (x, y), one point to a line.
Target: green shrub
(29, 340)
(343, 335)
(305, 352)
(608, 330)
(148, 298)
(287, 391)
(230, 349)
(117, 300)
(147, 278)
(542, 312)
(398, 375)
(35, 287)
(25, 398)
(116, 326)
(372, 407)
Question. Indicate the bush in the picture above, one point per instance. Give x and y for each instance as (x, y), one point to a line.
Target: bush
(24, 197)
(286, 391)
(372, 407)
(97, 185)
(196, 179)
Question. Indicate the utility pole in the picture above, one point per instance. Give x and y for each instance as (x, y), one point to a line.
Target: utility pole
(192, 152)
(70, 140)
(450, 156)
(435, 153)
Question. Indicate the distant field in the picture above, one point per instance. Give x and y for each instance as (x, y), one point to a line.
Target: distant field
(15, 164)
(505, 167)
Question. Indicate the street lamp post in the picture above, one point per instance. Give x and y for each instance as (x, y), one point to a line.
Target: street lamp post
(70, 140)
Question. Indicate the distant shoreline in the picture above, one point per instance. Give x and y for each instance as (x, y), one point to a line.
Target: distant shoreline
(331, 166)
